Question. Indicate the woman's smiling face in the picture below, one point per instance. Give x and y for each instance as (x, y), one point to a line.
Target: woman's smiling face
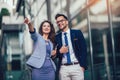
(46, 28)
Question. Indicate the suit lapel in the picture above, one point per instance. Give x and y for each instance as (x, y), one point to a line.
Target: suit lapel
(72, 36)
(60, 38)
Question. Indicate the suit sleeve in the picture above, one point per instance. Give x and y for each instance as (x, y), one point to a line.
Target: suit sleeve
(83, 50)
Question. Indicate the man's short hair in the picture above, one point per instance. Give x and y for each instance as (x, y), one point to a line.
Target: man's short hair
(58, 15)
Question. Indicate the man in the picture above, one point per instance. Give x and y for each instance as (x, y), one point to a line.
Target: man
(71, 51)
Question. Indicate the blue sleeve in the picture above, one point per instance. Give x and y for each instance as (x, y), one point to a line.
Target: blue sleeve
(33, 35)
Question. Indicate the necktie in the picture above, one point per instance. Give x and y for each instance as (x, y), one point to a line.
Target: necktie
(67, 54)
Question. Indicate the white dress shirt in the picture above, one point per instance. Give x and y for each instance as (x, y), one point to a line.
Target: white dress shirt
(72, 55)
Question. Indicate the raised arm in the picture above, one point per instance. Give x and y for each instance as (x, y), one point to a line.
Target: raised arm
(31, 29)
(30, 26)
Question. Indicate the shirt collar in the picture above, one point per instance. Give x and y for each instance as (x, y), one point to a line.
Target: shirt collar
(68, 31)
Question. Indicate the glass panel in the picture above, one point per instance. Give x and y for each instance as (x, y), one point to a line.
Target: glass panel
(13, 54)
(101, 40)
(13, 49)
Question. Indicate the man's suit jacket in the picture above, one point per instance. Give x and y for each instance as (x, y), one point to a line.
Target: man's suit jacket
(79, 47)
(37, 58)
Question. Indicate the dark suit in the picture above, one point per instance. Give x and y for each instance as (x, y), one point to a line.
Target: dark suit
(79, 47)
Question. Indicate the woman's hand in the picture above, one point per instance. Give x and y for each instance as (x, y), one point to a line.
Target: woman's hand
(30, 26)
(26, 21)
(53, 55)
(53, 52)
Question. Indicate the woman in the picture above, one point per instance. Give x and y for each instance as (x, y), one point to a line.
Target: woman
(42, 65)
